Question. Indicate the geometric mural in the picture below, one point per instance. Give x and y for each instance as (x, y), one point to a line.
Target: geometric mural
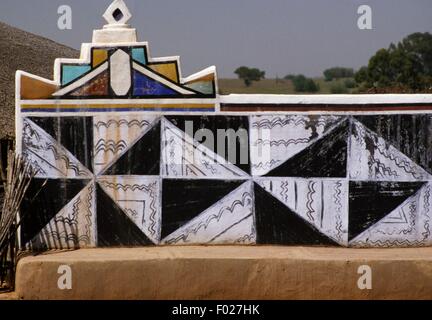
(141, 196)
(131, 153)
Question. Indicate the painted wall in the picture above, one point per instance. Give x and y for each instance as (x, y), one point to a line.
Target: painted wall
(116, 137)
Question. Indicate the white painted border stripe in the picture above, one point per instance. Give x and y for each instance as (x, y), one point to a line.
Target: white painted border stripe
(350, 99)
(110, 102)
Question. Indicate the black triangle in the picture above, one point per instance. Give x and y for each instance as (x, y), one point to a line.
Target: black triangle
(327, 157)
(371, 201)
(215, 123)
(74, 133)
(143, 158)
(114, 228)
(183, 200)
(43, 200)
(409, 133)
(276, 224)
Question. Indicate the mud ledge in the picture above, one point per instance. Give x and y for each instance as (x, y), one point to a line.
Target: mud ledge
(228, 272)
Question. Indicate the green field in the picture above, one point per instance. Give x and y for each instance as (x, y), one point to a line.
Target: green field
(272, 86)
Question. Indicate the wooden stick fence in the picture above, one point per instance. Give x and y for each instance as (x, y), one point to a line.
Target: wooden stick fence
(19, 174)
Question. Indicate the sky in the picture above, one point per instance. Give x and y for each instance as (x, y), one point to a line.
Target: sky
(279, 36)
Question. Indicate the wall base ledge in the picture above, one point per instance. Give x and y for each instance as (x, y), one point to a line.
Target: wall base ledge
(228, 272)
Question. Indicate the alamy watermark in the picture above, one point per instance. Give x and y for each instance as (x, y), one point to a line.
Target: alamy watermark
(64, 21)
(364, 21)
(220, 146)
(64, 282)
(365, 280)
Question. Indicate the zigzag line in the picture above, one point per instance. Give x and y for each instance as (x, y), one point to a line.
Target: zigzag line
(246, 238)
(338, 202)
(122, 122)
(110, 145)
(207, 165)
(133, 213)
(413, 209)
(73, 223)
(265, 165)
(380, 165)
(73, 220)
(125, 187)
(337, 195)
(89, 223)
(278, 143)
(134, 187)
(311, 187)
(284, 191)
(70, 222)
(183, 237)
(360, 137)
(67, 237)
(266, 123)
(152, 216)
(405, 165)
(388, 243)
(69, 165)
(411, 223)
(426, 199)
(427, 232)
(64, 236)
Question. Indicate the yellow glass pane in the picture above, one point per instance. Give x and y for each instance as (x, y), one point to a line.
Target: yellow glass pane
(99, 56)
(168, 70)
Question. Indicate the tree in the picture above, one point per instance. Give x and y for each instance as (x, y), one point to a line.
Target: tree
(303, 84)
(361, 75)
(249, 75)
(338, 73)
(407, 64)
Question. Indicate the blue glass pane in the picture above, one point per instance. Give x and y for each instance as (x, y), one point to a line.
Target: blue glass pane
(145, 86)
(70, 73)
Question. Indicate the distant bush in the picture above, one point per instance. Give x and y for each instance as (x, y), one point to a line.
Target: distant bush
(290, 77)
(303, 84)
(338, 73)
(249, 75)
(338, 88)
(350, 83)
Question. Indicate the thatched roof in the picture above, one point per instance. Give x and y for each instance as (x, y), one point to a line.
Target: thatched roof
(20, 50)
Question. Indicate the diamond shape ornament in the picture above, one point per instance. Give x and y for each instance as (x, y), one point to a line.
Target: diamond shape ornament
(117, 13)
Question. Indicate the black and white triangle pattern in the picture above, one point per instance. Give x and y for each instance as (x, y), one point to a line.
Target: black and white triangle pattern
(117, 180)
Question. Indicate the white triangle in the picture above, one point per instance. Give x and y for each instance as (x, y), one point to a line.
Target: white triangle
(275, 139)
(139, 197)
(409, 225)
(372, 158)
(48, 155)
(184, 157)
(229, 221)
(114, 135)
(72, 227)
(321, 202)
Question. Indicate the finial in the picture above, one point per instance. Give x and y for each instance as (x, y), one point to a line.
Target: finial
(117, 14)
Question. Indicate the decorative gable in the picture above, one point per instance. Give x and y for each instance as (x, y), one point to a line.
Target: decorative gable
(117, 67)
